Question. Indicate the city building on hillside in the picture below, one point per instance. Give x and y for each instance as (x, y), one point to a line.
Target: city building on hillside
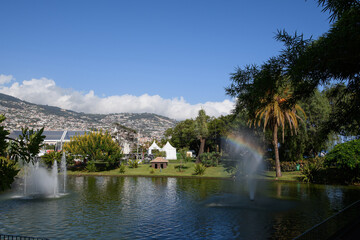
(126, 137)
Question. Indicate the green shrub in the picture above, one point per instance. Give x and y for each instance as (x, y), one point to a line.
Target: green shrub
(49, 158)
(345, 158)
(210, 159)
(49, 147)
(285, 165)
(345, 155)
(133, 163)
(91, 166)
(122, 168)
(8, 172)
(318, 171)
(234, 170)
(103, 166)
(288, 166)
(199, 169)
(181, 167)
(314, 172)
(182, 154)
(152, 171)
(158, 153)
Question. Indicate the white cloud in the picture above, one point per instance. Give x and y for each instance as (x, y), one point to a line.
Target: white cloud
(6, 78)
(45, 91)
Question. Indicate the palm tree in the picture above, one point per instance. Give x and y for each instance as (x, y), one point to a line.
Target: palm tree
(275, 112)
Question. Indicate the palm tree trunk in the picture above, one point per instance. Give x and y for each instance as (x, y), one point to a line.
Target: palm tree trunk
(277, 160)
(201, 149)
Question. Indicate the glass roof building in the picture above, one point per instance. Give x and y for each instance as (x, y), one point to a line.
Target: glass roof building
(53, 137)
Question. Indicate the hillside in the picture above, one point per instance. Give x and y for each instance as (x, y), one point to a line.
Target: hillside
(21, 113)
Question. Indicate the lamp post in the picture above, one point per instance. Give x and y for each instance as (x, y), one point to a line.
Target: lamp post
(137, 147)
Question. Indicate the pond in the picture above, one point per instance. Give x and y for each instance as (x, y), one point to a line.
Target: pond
(172, 208)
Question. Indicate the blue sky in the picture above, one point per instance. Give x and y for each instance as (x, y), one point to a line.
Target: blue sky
(168, 53)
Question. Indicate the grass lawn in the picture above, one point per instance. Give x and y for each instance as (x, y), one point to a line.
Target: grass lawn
(187, 171)
(286, 176)
(170, 171)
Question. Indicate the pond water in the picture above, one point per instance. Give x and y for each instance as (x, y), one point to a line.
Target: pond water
(172, 208)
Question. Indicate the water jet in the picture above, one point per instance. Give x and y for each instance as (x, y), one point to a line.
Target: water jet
(244, 150)
(38, 182)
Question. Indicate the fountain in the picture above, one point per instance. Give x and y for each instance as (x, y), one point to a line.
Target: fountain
(248, 156)
(54, 178)
(63, 170)
(39, 182)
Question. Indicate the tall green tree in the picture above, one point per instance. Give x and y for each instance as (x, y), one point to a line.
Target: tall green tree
(183, 135)
(310, 139)
(339, 95)
(264, 93)
(274, 115)
(202, 130)
(250, 84)
(218, 127)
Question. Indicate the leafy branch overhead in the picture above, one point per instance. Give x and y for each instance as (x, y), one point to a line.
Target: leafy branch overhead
(333, 58)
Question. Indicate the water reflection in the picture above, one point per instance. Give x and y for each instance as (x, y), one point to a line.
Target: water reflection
(175, 208)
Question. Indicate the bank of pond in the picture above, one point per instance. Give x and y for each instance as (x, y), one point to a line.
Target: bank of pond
(175, 169)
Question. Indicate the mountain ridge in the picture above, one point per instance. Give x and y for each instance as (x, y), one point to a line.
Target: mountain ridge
(20, 113)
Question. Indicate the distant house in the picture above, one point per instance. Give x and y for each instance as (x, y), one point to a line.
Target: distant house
(159, 163)
(57, 138)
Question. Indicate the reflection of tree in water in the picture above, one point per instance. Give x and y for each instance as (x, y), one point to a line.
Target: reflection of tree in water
(200, 189)
(113, 188)
(159, 181)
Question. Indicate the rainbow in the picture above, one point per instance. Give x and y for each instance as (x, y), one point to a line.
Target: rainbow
(241, 141)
